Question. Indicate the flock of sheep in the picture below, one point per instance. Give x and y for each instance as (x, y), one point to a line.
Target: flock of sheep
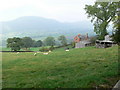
(45, 53)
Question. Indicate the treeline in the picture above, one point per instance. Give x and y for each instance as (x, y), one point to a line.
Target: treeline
(17, 43)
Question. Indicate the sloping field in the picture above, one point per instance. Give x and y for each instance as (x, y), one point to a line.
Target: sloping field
(79, 68)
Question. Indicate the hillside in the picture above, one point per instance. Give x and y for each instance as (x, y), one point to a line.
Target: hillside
(39, 24)
(40, 28)
(88, 67)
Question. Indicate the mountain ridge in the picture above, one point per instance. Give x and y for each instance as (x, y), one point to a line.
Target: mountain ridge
(39, 28)
(35, 24)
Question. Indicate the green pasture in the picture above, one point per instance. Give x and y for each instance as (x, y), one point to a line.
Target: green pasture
(9, 49)
(88, 67)
(31, 49)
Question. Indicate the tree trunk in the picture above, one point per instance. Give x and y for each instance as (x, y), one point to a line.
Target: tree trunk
(104, 30)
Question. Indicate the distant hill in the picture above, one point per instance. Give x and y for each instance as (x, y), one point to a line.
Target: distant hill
(35, 24)
(39, 28)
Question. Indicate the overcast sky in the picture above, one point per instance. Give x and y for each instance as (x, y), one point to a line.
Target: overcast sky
(61, 10)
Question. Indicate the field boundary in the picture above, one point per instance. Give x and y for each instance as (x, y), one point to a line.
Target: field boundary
(17, 51)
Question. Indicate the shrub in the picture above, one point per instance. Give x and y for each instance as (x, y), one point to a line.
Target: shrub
(73, 44)
(44, 49)
(51, 48)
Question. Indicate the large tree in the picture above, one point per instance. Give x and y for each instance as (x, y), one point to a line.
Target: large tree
(49, 41)
(14, 43)
(116, 33)
(27, 42)
(101, 14)
(63, 40)
(37, 43)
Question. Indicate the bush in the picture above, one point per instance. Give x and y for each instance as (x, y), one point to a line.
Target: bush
(44, 49)
(51, 48)
(73, 44)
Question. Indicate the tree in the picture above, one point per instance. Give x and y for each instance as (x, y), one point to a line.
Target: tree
(27, 42)
(63, 40)
(73, 44)
(14, 43)
(116, 33)
(101, 14)
(37, 43)
(49, 41)
(34, 43)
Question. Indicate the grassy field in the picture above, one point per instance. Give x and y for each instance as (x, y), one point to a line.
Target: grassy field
(79, 68)
(9, 49)
(4, 49)
(31, 49)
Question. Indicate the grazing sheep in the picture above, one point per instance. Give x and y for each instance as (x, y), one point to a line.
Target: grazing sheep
(67, 50)
(17, 53)
(45, 53)
(49, 51)
(35, 54)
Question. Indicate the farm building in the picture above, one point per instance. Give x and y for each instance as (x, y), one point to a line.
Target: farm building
(105, 43)
(81, 41)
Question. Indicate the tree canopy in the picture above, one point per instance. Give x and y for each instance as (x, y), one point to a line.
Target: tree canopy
(49, 41)
(27, 42)
(14, 43)
(38, 43)
(63, 40)
(101, 14)
(116, 33)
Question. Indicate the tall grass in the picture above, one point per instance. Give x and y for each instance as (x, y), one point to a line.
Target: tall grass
(79, 68)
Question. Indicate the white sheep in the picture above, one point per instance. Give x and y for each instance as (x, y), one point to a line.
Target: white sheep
(49, 51)
(67, 50)
(17, 53)
(35, 54)
(45, 53)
